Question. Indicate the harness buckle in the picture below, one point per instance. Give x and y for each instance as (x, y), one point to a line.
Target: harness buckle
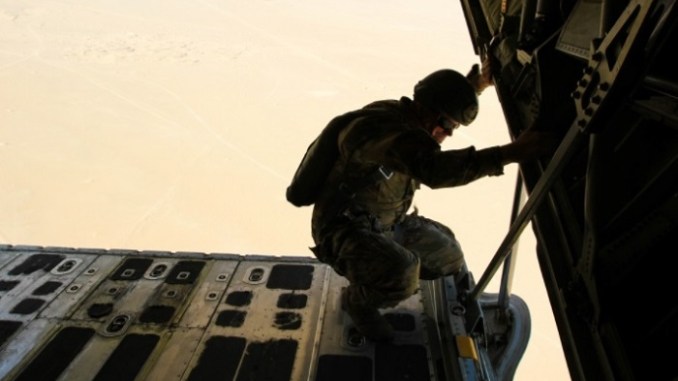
(387, 173)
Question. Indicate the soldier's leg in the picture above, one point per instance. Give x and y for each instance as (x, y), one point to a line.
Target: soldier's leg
(434, 243)
(381, 274)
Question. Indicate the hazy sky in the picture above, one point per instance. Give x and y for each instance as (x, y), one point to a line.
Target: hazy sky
(176, 125)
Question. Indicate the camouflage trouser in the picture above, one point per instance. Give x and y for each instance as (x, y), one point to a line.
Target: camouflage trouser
(385, 267)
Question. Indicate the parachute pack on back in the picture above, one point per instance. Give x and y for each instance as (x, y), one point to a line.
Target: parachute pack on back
(317, 163)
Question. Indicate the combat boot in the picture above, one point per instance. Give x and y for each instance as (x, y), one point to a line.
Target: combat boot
(366, 318)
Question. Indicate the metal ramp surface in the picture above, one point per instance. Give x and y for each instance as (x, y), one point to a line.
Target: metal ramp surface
(91, 314)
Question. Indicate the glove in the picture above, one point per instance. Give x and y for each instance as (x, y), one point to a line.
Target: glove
(479, 78)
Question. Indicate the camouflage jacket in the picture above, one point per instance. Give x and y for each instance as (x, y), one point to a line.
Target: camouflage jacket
(388, 133)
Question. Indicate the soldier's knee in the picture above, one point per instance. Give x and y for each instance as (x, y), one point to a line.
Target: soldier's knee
(454, 266)
(450, 264)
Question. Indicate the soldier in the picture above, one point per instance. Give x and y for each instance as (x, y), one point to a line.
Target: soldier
(376, 158)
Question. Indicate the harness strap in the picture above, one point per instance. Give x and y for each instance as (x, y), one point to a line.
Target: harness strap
(341, 205)
(350, 189)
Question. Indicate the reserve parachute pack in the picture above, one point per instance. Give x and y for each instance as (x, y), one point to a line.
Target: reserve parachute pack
(317, 162)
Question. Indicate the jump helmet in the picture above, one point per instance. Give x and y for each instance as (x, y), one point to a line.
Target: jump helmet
(450, 93)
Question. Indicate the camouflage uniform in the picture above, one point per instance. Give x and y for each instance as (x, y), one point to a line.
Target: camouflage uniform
(364, 231)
